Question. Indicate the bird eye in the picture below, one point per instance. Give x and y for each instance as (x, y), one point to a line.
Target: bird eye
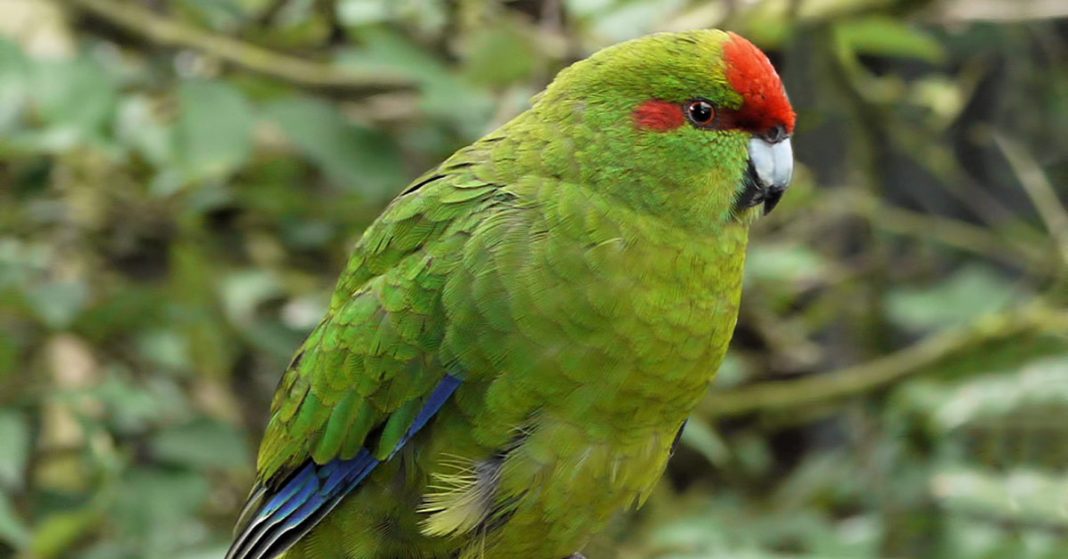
(700, 112)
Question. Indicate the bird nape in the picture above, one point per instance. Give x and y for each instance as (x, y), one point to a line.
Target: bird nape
(518, 339)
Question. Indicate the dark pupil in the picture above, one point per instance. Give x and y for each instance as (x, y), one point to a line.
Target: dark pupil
(701, 111)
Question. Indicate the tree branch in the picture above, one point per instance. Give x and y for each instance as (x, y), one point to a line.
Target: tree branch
(878, 373)
(956, 234)
(167, 32)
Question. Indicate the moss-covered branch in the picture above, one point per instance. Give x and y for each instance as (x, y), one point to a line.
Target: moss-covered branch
(164, 31)
(863, 378)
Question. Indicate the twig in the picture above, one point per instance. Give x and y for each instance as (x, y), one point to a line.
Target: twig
(1040, 191)
(1031, 255)
(165, 31)
(939, 160)
(957, 234)
(881, 372)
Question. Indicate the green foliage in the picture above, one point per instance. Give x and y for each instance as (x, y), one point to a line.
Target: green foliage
(348, 154)
(16, 436)
(173, 215)
(883, 36)
(213, 135)
(954, 300)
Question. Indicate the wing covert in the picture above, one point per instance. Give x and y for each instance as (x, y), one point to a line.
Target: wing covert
(368, 378)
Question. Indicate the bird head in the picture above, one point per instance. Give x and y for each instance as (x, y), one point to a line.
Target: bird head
(692, 126)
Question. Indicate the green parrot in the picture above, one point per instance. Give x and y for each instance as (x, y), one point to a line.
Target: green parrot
(514, 347)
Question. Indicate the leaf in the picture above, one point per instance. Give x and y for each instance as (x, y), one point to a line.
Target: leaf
(207, 553)
(57, 304)
(111, 549)
(134, 407)
(1019, 495)
(138, 127)
(15, 436)
(156, 509)
(202, 444)
(352, 156)
(971, 292)
(733, 371)
(12, 529)
(165, 348)
(1040, 385)
(445, 96)
(244, 291)
(76, 99)
(14, 85)
(218, 14)
(499, 55)
(393, 52)
(58, 532)
(214, 130)
(883, 36)
(633, 19)
(9, 356)
(587, 8)
(429, 16)
(785, 263)
(363, 12)
(193, 288)
(704, 439)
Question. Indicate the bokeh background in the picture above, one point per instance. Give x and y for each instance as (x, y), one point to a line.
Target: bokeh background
(180, 182)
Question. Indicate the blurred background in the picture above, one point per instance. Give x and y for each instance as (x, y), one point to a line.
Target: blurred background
(180, 182)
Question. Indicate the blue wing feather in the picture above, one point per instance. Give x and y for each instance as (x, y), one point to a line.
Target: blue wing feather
(309, 495)
(288, 491)
(437, 398)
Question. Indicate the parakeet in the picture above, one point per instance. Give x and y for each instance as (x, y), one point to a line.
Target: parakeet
(515, 345)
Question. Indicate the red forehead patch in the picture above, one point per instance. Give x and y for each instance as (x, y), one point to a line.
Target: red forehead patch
(751, 74)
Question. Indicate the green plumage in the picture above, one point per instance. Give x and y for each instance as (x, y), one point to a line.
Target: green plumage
(579, 274)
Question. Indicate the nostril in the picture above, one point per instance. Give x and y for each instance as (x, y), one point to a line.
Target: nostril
(776, 134)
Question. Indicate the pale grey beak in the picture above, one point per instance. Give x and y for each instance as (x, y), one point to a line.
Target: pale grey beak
(771, 166)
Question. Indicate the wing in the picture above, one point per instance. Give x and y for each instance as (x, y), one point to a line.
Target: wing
(368, 378)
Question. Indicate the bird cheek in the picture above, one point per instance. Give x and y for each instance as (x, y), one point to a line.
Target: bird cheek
(658, 116)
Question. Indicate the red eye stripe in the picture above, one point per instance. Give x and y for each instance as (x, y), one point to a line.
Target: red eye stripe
(659, 116)
(751, 74)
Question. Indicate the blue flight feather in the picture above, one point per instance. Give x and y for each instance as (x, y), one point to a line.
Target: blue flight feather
(437, 398)
(309, 487)
(288, 491)
(310, 494)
